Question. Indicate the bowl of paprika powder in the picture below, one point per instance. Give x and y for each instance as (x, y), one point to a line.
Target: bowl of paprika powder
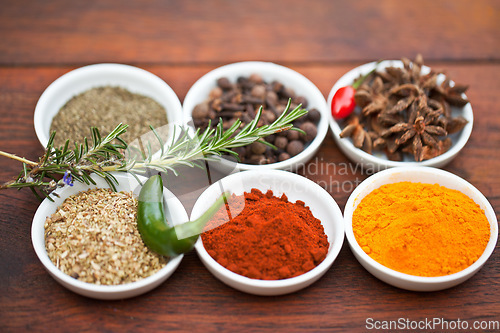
(420, 228)
(278, 233)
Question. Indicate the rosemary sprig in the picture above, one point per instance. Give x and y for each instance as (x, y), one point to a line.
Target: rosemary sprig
(211, 142)
(77, 163)
(103, 156)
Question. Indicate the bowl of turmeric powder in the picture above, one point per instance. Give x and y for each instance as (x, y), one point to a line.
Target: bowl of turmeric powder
(420, 228)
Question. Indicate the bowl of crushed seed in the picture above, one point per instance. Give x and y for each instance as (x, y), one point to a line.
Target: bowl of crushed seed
(87, 239)
(405, 114)
(237, 91)
(102, 96)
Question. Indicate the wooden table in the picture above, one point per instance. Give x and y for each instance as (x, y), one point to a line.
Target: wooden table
(180, 41)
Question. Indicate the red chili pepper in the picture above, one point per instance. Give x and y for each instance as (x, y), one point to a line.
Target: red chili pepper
(343, 102)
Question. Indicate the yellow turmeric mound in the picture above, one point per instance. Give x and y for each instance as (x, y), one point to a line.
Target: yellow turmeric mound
(421, 229)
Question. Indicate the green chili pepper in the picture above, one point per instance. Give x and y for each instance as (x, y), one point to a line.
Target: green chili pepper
(153, 226)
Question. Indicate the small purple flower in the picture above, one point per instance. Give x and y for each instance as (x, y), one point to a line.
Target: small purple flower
(67, 179)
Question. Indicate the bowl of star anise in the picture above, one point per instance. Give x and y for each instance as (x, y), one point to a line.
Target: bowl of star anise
(405, 114)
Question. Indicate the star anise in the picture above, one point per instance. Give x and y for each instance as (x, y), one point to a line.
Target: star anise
(389, 146)
(429, 152)
(456, 124)
(452, 93)
(355, 130)
(371, 98)
(421, 132)
(405, 111)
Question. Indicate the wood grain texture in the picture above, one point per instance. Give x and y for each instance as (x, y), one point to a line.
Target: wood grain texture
(180, 41)
(191, 31)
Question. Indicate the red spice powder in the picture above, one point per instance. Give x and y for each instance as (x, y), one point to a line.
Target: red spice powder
(270, 239)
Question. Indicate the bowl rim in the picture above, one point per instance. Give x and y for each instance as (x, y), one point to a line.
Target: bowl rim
(375, 161)
(47, 206)
(333, 252)
(249, 67)
(91, 73)
(354, 200)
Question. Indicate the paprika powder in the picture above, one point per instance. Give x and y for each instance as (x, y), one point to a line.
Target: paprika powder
(270, 238)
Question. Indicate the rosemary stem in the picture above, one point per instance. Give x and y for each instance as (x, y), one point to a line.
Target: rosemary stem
(102, 156)
(17, 158)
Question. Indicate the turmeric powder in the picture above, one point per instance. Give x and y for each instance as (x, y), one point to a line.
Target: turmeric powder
(421, 229)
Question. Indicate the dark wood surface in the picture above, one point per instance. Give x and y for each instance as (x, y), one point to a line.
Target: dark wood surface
(180, 41)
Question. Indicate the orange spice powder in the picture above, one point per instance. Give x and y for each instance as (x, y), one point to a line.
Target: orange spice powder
(421, 229)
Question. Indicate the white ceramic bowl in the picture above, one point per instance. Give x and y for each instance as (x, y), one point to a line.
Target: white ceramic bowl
(269, 71)
(422, 175)
(77, 81)
(175, 213)
(379, 160)
(296, 187)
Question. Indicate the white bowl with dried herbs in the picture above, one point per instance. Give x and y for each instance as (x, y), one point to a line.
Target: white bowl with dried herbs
(104, 95)
(87, 239)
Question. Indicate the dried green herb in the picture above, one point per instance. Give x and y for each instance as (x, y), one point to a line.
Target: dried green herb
(106, 107)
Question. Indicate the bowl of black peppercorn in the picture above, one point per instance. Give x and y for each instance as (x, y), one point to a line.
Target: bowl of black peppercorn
(238, 91)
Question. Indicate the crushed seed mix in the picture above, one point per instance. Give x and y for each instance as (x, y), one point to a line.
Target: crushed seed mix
(93, 237)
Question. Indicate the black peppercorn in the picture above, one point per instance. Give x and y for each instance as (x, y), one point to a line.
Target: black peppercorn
(216, 92)
(301, 100)
(258, 148)
(310, 129)
(272, 98)
(313, 115)
(201, 111)
(241, 100)
(281, 142)
(294, 147)
(269, 116)
(283, 157)
(224, 83)
(270, 138)
(292, 135)
(255, 78)
(258, 91)
(241, 151)
(257, 159)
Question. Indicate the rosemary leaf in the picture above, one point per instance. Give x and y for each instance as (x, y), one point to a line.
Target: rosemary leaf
(111, 153)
